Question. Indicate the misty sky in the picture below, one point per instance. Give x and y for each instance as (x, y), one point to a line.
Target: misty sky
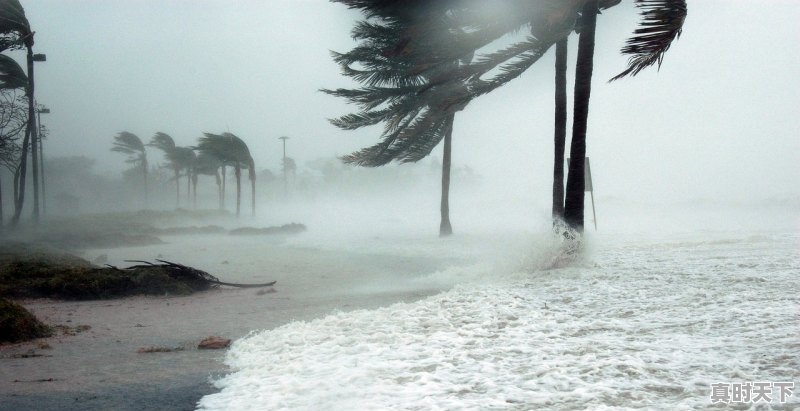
(719, 119)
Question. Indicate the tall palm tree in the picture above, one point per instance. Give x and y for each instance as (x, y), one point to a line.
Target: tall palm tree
(387, 87)
(130, 144)
(231, 151)
(419, 87)
(184, 158)
(166, 144)
(574, 201)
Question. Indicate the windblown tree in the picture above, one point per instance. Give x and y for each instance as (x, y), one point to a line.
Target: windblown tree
(207, 165)
(383, 87)
(233, 152)
(179, 159)
(16, 33)
(427, 88)
(166, 144)
(13, 122)
(130, 145)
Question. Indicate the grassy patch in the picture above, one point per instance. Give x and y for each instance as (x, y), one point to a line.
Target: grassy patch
(18, 324)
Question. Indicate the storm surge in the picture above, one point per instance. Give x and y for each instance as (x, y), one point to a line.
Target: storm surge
(640, 324)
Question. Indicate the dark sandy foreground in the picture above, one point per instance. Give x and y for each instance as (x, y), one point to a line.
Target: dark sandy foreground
(100, 368)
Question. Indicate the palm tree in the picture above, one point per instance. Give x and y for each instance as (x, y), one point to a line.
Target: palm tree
(206, 164)
(399, 140)
(231, 151)
(420, 88)
(574, 201)
(166, 144)
(184, 158)
(130, 144)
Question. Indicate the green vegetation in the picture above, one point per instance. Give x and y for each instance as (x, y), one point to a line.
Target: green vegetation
(53, 275)
(18, 324)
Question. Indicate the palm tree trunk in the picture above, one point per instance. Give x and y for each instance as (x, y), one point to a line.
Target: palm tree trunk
(194, 191)
(177, 188)
(445, 228)
(188, 187)
(238, 172)
(560, 134)
(219, 188)
(144, 169)
(222, 197)
(19, 178)
(573, 206)
(253, 193)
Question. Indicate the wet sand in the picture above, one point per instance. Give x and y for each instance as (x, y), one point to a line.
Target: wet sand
(100, 368)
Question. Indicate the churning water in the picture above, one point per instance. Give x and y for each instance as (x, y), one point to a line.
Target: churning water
(639, 324)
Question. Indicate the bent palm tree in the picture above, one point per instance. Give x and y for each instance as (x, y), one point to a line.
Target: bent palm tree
(130, 144)
(413, 87)
(166, 144)
(231, 151)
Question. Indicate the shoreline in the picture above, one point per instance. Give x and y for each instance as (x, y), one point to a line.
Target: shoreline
(100, 368)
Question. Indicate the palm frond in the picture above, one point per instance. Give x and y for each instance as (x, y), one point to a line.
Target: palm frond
(661, 24)
(14, 27)
(11, 74)
(128, 143)
(163, 142)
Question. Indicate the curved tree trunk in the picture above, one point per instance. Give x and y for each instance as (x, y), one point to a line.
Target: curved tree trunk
(445, 228)
(560, 134)
(238, 173)
(573, 206)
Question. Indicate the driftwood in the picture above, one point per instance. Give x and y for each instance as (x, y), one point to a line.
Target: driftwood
(189, 273)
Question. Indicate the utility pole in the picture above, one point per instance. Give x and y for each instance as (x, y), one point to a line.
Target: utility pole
(285, 183)
(39, 112)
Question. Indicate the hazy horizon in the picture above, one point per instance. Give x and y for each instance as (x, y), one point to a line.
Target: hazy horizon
(717, 121)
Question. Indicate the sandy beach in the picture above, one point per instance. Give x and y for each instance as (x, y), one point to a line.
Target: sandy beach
(100, 368)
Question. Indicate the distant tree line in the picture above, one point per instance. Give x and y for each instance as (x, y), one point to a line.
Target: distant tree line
(212, 156)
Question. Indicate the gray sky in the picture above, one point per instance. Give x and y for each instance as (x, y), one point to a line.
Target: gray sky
(719, 119)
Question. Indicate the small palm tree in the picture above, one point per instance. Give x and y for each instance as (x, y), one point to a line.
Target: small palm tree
(130, 144)
(231, 151)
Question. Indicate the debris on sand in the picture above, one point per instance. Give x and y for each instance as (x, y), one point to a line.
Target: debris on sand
(18, 324)
(214, 343)
(26, 273)
(154, 349)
